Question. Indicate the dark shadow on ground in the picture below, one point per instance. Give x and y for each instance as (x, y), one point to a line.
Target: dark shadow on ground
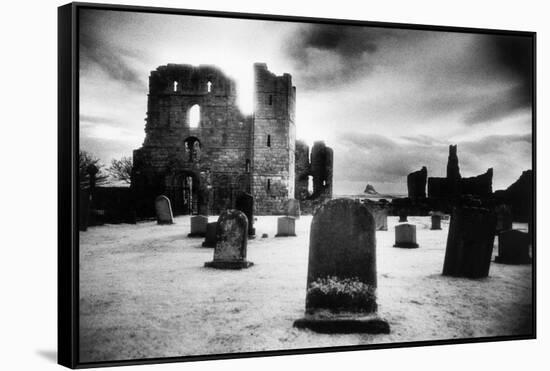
(50, 355)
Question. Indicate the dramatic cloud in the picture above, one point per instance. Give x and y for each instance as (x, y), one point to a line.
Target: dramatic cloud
(385, 162)
(100, 53)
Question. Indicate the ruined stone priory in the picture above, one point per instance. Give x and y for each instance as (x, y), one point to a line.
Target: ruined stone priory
(201, 151)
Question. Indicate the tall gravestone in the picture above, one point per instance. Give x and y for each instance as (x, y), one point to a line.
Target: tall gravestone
(286, 227)
(292, 208)
(231, 240)
(198, 226)
(504, 218)
(245, 203)
(164, 210)
(341, 279)
(513, 247)
(405, 236)
(210, 238)
(470, 242)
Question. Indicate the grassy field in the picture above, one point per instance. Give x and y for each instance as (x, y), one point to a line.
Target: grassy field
(145, 293)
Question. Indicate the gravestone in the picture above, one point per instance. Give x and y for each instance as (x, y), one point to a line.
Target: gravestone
(245, 203)
(286, 226)
(292, 208)
(210, 238)
(231, 236)
(198, 226)
(341, 279)
(402, 217)
(436, 222)
(405, 236)
(164, 210)
(504, 218)
(513, 247)
(469, 242)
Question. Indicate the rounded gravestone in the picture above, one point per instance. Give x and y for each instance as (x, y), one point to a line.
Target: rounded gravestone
(436, 222)
(341, 280)
(231, 241)
(163, 210)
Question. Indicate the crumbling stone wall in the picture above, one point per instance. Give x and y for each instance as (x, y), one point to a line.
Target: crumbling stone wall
(302, 170)
(205, 166)
(454, 185)
(416, 183)
(320, 168)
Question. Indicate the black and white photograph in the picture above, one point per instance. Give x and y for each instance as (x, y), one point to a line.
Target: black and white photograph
(252, 185)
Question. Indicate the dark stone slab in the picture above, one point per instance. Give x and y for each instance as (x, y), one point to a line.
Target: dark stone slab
(163, 210)
(469, 242)
(341, 281)
(210, 240)
(231, 241)
(513, 247)
(402, 217)
(436, 222)
(198, 226)
(405, 236)
(245, 203)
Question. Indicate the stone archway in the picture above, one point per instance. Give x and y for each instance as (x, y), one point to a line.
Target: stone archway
(183, 190)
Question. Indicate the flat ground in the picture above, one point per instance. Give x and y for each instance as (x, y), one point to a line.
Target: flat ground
(145, 293)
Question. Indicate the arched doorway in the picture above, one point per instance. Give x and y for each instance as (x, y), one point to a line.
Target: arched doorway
(184, 193)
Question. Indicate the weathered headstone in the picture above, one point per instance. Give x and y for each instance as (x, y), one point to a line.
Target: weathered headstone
(513, 247)
(402, 217)
(210, 239)
(198, 226)
(469, 242)
(292, 208)
(341, 279)
(436, 222)
(286, 226)
(164, 210)
(405, 236)
(504, 218)
(231, 236)
(245, 203)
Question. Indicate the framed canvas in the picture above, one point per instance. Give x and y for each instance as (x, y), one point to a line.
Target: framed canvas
(243, 185)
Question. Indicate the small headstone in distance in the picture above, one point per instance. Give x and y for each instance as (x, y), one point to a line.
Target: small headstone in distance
(231, 236)
(198, 226)
(265, 235)
(405, 236)
(436, 222)
(286, 226)
(402, 217)
(470, 242)
(210, 239)
(513, 247)
(341, 279)
(164, 210)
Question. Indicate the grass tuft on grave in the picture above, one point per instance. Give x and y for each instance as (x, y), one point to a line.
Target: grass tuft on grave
(336, 294)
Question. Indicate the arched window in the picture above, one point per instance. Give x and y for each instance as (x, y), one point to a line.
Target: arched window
(175, 86)
(269, 184)
(247, 166)
(269, 140)
(270, 99)
(209, 86)
(194, 116)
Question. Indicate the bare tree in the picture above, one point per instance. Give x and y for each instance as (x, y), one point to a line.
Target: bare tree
(85, 160)
(121, 169)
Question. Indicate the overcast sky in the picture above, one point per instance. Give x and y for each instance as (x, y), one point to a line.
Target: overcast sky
(388, 101)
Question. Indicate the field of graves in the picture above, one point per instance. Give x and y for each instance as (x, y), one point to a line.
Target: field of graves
(144, 292)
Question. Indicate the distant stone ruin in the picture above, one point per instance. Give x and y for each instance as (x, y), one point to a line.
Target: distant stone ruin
(319, 168)
(416, 183)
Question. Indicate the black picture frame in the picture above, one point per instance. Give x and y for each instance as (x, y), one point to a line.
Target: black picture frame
(68, 204)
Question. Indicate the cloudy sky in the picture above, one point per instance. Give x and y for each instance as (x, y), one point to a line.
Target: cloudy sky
(388, 101)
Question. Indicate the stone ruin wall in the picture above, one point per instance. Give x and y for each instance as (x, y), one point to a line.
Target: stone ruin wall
(274, 137)
(226, 153)
(320, 168)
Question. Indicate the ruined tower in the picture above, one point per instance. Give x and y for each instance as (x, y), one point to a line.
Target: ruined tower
(274, 137)
(201, 151)
(453, 172)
